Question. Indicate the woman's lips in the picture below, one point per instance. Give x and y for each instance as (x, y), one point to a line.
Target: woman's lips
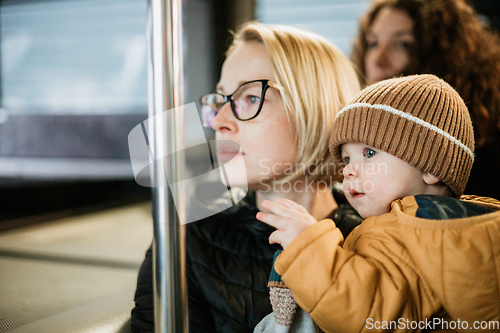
(226, 156)
(227, 150)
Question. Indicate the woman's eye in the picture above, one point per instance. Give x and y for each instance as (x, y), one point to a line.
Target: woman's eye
(369, 153)
(253, 99)
(370, 44)
(403, 45)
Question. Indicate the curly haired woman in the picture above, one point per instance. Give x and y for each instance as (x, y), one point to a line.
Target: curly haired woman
(448, 39)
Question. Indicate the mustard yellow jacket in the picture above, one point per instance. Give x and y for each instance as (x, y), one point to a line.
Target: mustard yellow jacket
(431, 264)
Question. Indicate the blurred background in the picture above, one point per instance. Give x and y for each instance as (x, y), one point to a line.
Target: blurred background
(73, 84)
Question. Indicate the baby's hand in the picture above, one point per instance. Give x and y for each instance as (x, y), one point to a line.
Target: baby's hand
(289, 218)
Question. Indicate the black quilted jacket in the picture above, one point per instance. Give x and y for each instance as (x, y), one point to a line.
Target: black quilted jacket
(228, 261)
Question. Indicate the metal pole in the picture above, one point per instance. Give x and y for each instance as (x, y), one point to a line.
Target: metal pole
(165, 71)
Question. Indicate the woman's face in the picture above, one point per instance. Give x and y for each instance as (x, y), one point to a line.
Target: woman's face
(267, 142)
(389, 41)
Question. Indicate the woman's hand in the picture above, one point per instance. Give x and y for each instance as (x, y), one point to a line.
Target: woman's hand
(289, 218)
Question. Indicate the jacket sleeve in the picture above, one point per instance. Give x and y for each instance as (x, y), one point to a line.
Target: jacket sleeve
(346, 291)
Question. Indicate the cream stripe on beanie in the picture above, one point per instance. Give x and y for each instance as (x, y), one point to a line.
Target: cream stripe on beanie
(420, 119)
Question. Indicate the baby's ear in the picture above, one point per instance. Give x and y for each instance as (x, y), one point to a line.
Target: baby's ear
(430, 179)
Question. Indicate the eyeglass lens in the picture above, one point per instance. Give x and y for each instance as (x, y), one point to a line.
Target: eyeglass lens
(245, 103)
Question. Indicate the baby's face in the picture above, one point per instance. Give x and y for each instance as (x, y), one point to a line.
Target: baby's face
(373, 179)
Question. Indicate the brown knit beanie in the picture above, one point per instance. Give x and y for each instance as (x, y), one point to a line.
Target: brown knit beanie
(420, 119)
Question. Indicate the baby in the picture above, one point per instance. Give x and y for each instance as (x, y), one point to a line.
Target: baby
(423, 259)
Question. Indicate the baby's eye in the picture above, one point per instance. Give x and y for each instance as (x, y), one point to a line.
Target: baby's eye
(369, 153)
(346, 160)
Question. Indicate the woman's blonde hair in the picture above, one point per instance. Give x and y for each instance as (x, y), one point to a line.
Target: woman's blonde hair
(316, 80)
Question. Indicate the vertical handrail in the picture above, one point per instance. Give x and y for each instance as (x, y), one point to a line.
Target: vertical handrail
(165, 83)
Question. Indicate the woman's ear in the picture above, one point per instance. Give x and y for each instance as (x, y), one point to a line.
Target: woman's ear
(430, 179)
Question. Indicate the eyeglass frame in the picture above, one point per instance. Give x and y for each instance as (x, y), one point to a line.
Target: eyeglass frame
(266, 84)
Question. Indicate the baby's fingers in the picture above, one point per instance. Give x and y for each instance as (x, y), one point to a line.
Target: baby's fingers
(292, 205)
(278, 208)
(271, 219)
(276, 237)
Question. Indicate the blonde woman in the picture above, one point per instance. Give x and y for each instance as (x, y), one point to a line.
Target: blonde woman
(279, 91)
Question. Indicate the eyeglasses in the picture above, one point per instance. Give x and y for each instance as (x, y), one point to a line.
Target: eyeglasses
(246, 101)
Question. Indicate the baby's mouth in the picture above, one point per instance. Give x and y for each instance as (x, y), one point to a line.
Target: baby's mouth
(355, 194)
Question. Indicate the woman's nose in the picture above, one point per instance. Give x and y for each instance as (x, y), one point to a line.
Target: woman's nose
(382, 56)
(350, 171)
(225, 121)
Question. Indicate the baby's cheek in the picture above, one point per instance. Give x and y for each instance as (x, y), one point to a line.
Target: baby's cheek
(345, 187)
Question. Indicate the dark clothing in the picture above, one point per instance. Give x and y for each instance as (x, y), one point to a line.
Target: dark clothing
(484, 177)
(228, 261)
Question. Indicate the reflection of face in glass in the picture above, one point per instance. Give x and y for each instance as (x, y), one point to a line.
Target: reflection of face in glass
(389, 41)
